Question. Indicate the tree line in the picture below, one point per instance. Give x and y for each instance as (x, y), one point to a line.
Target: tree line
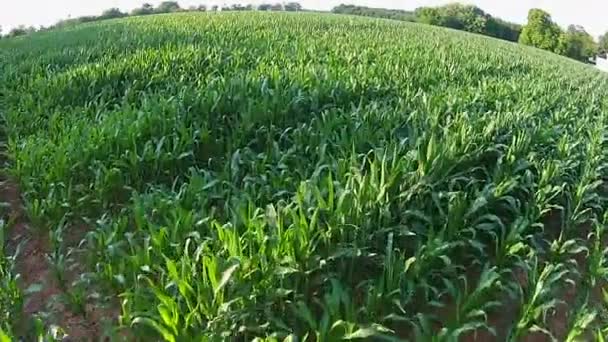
(148, 9)
(375, 12)
(457, 16)
(543, 33)
(540, 31)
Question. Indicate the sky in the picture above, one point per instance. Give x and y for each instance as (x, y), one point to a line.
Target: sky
(589, 13)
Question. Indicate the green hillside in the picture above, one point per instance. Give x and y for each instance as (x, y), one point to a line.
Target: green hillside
(306, 177)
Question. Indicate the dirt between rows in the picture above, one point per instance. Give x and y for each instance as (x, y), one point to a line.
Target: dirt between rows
(35, 273)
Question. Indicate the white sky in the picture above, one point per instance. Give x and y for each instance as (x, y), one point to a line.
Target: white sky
(589, 13)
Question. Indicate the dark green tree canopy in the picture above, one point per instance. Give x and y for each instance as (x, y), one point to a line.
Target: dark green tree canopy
(145, 9)
(541, 31)
(271, 7)
(167, 7)
(112, 13)
(578, 44)
(603, 43)
(293, 7)
(21, 30)
(374, 12)
(468, 18)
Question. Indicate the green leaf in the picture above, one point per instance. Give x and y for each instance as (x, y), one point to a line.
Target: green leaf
(172, 269)
(283, 271)
(4, 336)
(408, 263)
(361, 333)
(226, 276)
(514, 249)
(166, 334)
(289, 338)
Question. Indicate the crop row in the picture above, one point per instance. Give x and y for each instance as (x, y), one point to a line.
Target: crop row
(313, 176)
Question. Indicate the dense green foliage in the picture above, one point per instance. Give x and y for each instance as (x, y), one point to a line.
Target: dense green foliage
(468, 18)
(168, 7)
(543, 33)
(457, 16)
(326, 177)
(603, 43)
(145, 9)
(112, 13)
(375, 12)
(498, 28)
(20, 30)
(578, 44)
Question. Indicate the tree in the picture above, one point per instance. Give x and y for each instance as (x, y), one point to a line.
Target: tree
(471, 18)
(276, 7)
(499, 28)
(264, 7)
(603, 43)
(458, 16)
(293, 7)
(429, 15)
(145, 9)
(576, 43)
(235, 7)
(112, 13)
(541, 32)
(168, 7)
(374, 12)
(21, 30)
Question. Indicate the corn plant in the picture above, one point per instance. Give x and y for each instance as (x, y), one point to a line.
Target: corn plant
(278, 177)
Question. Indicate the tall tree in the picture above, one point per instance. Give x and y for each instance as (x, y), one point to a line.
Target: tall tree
(21, 30)
(375, 12)
(468, 18)
(578, 44)
(293, 7)
(499, 28)
(603, 43)
(145, 9)
(541, 31)
(235, 7)
(112, 13)
(430, 15)
(167, 7)
(464, 17)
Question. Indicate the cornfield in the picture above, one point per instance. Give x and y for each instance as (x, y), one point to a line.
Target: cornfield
(310, 177)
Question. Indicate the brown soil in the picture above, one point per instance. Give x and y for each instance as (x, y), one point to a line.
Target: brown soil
(34, 270)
